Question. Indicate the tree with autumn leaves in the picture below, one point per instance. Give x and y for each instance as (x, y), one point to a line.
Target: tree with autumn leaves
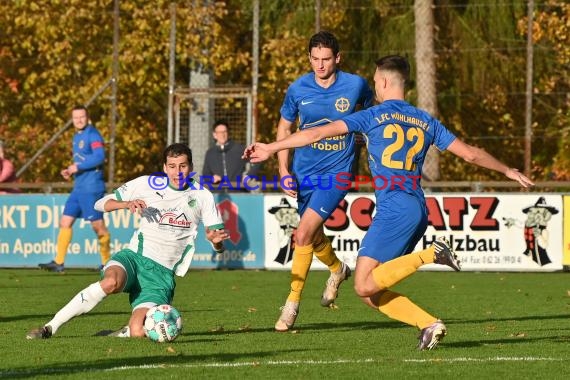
(551, 29)
(60, 53)
(56, 54)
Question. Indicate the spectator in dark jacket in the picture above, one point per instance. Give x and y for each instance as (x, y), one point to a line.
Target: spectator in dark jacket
(224, 163)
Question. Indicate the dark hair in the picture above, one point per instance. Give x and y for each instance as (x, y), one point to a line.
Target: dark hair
(324, 39)
(80, 107)
(175, 150)
(220, 122)
(395, 63)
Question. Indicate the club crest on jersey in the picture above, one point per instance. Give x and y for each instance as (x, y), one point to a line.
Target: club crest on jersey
(172, 219)
(191, 202)
(342, 104)
(81, 144)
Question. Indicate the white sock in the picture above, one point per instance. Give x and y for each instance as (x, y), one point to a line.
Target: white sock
(82, 303)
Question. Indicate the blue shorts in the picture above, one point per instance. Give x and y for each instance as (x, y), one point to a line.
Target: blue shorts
(322, 201)
(399, 223)
(80, 205)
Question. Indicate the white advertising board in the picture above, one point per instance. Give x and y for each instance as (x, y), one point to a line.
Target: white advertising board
(489, 232)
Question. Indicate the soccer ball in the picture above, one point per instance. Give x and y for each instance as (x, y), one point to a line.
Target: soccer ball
(163, 323)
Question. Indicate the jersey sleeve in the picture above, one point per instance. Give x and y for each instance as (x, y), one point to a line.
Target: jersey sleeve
(359, 121)
(443, 137)
(210, 215)
(131, 190)
(289, 109)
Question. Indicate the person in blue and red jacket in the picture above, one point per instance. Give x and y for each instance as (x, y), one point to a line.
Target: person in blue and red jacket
(89, 186)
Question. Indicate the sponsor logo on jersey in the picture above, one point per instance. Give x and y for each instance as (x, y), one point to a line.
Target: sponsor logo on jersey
(342, 104)
(175, 220)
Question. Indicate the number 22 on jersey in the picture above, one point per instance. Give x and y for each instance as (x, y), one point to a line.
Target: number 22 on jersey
(414, 135)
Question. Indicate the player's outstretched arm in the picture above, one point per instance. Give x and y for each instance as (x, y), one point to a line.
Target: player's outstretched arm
(481, 158)
(284, 128)
(259, 152)
(110, 203)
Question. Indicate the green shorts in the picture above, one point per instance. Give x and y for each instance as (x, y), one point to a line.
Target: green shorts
(147, 281)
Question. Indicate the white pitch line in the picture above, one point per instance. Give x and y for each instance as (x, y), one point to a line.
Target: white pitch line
(338, 361)
(4, 374)
(245, 364)
(495, 359)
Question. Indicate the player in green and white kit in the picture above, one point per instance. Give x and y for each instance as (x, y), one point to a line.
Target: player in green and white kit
(161, 247)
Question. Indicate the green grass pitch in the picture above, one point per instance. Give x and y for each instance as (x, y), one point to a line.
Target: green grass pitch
(500, 325)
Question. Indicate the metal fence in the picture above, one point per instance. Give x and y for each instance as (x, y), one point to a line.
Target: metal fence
(196, 110)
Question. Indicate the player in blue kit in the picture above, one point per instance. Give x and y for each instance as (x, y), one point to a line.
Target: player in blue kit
(88, 187)
(398, 136)
(317, 98)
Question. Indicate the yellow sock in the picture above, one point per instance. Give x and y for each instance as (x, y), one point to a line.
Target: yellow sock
(105, 248)
(427, 255)
(63, 240)
(400, 308)
(326, 255)
(302, 258)
(390, 273)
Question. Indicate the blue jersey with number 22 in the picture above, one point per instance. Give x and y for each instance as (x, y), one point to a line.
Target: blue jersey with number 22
(398, 136)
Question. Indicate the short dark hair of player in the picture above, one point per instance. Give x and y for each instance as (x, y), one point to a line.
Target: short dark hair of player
(324, 39)
(175, 150)
(220, 122)
(395, 63)
(80, 107)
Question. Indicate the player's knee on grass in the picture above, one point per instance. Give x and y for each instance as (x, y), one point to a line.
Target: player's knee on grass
(137, 321)
(136, 331)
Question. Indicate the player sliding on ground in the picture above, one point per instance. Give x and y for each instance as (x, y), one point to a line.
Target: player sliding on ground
(398, 136)
(162, 246)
